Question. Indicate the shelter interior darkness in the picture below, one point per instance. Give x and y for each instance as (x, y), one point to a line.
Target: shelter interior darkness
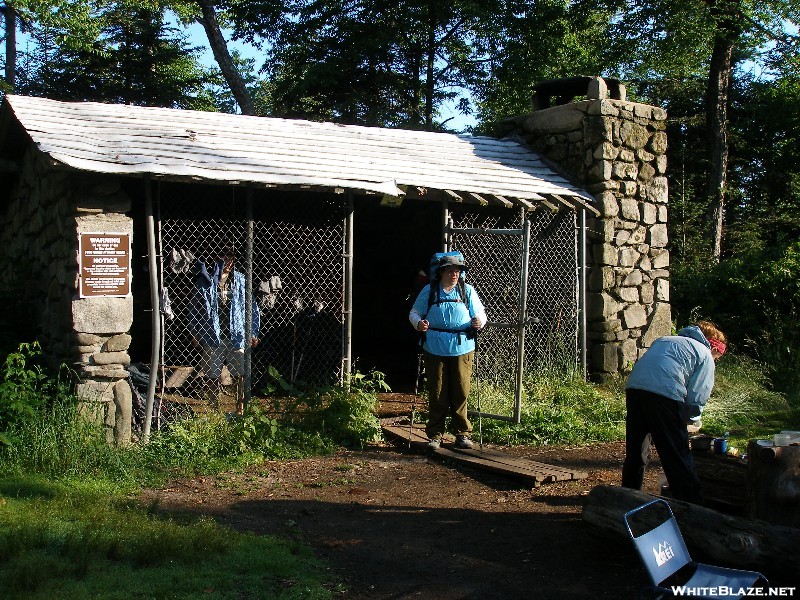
(141, 329)
(391, 245)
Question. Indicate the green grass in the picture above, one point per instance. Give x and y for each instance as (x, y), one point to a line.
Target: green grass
(69, 530)
(70, 527)
(559, 407)
(63, 541)
(743, 404)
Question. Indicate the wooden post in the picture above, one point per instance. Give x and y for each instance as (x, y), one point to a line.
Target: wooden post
(773, 484)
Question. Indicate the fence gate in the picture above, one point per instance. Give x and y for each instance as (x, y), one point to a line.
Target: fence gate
(297, 283)
(524, 266)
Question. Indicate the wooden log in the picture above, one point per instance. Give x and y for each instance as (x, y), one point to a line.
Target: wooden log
(711, 536)
(773, 484)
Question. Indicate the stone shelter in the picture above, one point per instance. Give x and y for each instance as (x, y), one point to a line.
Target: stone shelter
(114, 214)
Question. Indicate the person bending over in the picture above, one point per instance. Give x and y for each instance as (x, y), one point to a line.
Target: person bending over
(667, 390)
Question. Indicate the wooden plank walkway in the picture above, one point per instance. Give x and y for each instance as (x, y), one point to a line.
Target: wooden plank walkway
(486, 459)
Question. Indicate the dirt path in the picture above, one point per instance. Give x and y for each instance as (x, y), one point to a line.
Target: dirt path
(396, 525)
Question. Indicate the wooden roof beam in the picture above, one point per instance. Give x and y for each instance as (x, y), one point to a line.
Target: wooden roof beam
(525, 203)
(469, 197)
(562, 201)
(452, 196)
(572, 201)
(545, 202)
(496, 199)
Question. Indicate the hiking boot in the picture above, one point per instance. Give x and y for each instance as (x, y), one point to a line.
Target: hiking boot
(434, 443)
(463, 442)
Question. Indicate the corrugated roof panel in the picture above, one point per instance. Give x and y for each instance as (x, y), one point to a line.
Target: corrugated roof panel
(114, 138)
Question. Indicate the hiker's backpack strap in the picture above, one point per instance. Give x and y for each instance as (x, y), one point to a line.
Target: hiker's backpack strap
(437, 298)
(462, 291)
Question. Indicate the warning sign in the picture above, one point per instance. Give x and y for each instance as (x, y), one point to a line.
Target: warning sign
(105, 260)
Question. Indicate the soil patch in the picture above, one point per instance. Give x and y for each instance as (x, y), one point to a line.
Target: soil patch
(396, 525)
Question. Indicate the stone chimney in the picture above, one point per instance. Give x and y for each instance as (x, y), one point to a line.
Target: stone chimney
(615, 150)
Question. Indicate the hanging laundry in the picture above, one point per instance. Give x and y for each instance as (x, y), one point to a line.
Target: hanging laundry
(166, 305)
(267, 301)
(268, 292)
(179, 260)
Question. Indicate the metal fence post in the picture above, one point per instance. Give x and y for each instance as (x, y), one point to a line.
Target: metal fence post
(523, 316)
(248, 300)
(446, 236)
(155, 345)
(347, 295)
(582, 266)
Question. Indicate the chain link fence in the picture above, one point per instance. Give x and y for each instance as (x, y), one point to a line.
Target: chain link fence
(298, 296)
(551, 338)
(496, 268)
(495, 272)
(297, 275)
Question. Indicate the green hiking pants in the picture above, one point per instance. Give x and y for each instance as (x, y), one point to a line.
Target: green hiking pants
(448, 380)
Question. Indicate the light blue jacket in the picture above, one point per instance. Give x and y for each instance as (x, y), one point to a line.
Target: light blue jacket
(205, 314)
(448, 315)
(679, 367)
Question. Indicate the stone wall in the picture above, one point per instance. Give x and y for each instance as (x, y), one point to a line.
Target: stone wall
(47, 211)
(616, 150)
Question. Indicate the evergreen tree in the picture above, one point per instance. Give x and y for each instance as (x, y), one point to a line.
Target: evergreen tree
(134, 57)
(369, 61)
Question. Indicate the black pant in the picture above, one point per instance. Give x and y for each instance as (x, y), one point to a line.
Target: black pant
(652, 418)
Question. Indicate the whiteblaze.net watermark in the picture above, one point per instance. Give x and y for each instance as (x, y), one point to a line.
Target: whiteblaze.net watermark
(724, 590)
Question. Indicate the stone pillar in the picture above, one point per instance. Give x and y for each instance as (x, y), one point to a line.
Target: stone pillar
(101, 325)
(616, 150)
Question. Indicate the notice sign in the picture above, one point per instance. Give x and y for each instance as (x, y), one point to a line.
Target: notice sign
(105, 260)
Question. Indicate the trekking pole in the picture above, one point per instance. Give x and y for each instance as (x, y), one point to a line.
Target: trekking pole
(414, 400)
(478, 394)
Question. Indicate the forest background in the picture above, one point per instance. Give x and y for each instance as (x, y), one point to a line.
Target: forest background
(726, 71)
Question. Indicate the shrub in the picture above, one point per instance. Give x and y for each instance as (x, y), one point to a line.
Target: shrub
(343, 414)
(755, 298)
(25, 388)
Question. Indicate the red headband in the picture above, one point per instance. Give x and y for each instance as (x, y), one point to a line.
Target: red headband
(718, 346)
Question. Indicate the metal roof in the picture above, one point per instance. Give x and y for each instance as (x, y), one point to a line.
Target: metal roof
(116, 138)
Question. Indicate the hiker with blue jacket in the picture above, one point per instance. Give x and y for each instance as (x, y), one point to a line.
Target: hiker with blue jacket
(666, 391)
(447, 312)
(217, 324)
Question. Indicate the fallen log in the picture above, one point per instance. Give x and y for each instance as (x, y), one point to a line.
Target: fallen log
(710, 536)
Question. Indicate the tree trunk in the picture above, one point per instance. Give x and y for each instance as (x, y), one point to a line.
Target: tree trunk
(10, 16)
(710, 535)
(719, 83)
(223, 58)
(728, 26)
(429, 75)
